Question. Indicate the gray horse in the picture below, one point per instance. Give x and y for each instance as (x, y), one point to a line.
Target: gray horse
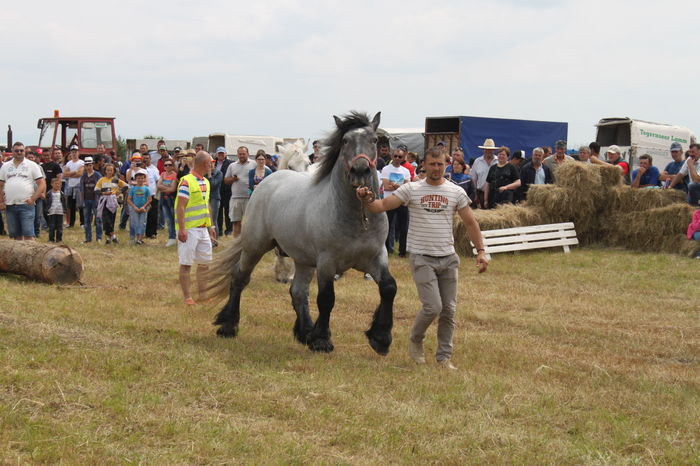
(320, 223)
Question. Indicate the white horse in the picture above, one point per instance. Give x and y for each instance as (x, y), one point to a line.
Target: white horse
(292, 157)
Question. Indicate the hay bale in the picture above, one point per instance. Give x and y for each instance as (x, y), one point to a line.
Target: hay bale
(503, 216)
(579, 176)
(627, 199)
(610, 175)
(560, 204)
(653, 230)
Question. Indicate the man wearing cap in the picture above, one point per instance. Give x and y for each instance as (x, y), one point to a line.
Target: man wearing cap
(558, 158)
(195, 231)
(237, 177)
(480, 170)
(615, 158)
(672, 168)
(223, 221)
(690, 168)
(72, 171)
(87, 201)
(21, 184)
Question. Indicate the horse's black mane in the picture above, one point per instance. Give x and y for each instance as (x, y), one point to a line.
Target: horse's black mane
(334, 141)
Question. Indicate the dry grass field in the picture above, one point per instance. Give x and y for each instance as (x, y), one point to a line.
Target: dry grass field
(591, 357)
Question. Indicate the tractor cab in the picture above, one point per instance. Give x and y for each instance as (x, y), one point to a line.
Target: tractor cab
(85, 132)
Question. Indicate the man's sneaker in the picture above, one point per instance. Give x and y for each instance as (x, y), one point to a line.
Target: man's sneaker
(415, 351)
(446, 364)
(107, 241)
(171, 242)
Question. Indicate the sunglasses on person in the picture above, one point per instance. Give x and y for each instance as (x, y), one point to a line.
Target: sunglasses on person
(167, 164)
(18, 151)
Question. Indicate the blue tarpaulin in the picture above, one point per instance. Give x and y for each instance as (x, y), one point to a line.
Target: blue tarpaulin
(522, 135)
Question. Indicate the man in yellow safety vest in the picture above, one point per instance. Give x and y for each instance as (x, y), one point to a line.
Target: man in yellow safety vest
(193, 223)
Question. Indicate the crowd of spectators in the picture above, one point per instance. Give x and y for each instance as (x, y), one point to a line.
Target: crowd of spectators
(61, 188)
(57, 189)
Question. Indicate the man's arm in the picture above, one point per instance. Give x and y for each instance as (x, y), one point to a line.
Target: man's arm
(638, 177)
(692, 171)
(2, 195)
(377, 206)
(40, 189)
(474, 232)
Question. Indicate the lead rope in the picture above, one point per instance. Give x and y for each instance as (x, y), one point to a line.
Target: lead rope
(363, 212)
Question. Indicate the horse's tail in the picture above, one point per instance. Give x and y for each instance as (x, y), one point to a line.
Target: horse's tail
(221, 269)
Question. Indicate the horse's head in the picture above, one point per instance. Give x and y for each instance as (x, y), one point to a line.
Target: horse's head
(358, 151)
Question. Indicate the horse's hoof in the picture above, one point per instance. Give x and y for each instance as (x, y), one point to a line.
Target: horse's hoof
(321, 345)
(227, 330)
(379, 344)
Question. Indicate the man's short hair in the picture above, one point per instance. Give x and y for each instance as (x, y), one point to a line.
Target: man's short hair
(382, 144)
(243, 147)
(435, 152)
(594, 147)
(560, 144)
(584, 149)
(646, 157)
(695, 145)
(17, 144)
(537, 150)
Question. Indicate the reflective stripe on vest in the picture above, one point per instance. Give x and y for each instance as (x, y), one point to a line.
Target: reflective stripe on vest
(197, 209)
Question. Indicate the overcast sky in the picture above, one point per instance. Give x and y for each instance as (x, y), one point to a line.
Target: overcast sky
(181, 69)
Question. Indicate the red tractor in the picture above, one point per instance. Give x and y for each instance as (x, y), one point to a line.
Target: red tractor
(85, 132)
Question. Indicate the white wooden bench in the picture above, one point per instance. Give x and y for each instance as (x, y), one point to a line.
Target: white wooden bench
(532, 237)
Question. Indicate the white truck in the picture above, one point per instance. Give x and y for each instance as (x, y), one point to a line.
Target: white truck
(233, 141)
(637, 137)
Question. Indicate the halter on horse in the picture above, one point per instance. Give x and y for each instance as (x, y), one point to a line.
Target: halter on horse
(319, 222)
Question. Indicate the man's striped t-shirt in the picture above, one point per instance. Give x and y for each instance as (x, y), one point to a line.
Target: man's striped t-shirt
(431, 214)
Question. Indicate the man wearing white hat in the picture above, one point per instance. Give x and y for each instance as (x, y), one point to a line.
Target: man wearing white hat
(480, 169)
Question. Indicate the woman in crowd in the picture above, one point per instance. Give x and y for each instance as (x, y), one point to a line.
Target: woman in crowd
(167, 185)
(460, 176)
(257, 174)
(502, 180)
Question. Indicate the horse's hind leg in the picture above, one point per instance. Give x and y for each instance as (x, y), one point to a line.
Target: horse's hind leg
(379, 333)
(300, 300)
(230, 315)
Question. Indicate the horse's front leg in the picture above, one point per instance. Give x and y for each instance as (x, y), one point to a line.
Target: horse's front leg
(379, 333)
(319, 339)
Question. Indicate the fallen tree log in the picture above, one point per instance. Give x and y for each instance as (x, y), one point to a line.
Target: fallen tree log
(43, 262)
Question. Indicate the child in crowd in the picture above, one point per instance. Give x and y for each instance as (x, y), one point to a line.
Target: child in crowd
(109, 187)
(139, 201)
(694, 229)
(55, 207)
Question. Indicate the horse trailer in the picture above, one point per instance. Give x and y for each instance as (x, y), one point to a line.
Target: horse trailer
(637, 137)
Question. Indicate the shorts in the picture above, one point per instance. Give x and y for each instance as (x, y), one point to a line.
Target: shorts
(20, 220)
(197, 248)
(237, 209)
